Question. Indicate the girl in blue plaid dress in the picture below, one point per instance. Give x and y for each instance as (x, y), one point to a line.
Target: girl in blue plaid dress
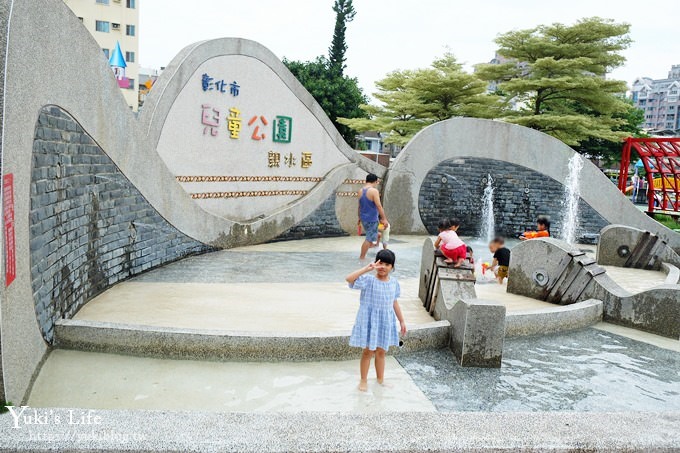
(375, 328)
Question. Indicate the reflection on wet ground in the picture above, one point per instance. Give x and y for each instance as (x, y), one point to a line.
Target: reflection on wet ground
(312, 260)
(585, 370)
(293, 265)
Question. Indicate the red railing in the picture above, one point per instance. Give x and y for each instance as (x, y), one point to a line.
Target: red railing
(661, 159)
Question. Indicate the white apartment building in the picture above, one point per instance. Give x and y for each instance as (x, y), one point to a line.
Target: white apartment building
(111, 21)
(660, 99)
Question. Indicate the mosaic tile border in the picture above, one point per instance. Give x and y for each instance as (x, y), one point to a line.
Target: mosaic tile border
(354, 181)
(252, 193)
(249, 178)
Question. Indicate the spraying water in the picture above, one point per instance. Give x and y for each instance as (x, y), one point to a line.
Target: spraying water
(488, 224)
(571, 197)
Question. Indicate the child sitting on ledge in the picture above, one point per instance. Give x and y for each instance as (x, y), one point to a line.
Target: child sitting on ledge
(542, 230)
(452, 247)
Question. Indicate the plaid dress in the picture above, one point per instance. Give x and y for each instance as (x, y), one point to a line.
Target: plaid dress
(376, 323)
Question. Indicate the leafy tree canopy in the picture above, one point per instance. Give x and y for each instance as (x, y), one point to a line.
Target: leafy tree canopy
(413, 99)
(554, 79)
(338, 94)
(608, 151)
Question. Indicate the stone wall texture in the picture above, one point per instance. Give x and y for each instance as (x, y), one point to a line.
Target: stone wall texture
(323, 222)
(89, 226)
(455, 188)
(4, 17)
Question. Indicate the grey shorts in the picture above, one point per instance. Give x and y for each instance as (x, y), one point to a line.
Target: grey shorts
(371, 230)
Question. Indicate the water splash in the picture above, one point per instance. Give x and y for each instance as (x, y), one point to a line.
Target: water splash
(571, 198)
(488, 224)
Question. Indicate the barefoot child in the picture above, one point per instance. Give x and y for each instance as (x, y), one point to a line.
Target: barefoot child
(451, 246)
(375, 328)
(501, 258)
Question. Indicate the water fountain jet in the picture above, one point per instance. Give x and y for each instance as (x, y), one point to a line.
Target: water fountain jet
(571, 199)
(488, 229)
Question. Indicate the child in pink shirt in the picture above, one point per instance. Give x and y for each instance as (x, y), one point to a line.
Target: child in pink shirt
(452, 247)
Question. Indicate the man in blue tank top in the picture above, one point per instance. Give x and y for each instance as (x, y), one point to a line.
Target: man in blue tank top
(370, 213)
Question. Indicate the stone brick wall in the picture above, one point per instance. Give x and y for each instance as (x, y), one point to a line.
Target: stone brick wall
(89, 226)
(4, 16)
(455, 188)
(323, 222)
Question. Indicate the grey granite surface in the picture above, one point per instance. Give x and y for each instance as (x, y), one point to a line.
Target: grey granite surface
(147, 431)
(175, 343)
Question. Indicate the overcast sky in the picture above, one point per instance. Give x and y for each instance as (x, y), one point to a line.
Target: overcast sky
(401, 34)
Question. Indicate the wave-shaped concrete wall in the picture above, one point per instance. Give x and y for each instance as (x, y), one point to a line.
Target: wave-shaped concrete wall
(550, 270)
(51, 61)
(458, 139)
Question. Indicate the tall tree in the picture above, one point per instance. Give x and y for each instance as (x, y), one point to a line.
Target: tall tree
(324, 78)
(344, 13)
(338, 94)
(555, 77)
(413, 99)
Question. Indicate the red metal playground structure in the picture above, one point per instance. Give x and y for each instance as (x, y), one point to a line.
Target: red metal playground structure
(661, 160)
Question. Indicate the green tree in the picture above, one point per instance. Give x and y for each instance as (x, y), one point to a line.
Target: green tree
(344, 13)
(555, 77)
(324, 78)
(610, 151)
(337, 94)
(413, 99)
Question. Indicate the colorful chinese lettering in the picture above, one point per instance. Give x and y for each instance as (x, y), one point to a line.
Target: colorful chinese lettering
(283, 129)
(210, 118)
(234, 122)
(256, 133)
(289, 160)
(274, 159)
(306, 160)
(234, 88)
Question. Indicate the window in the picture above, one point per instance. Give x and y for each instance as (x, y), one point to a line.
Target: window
(130, 30)
(80, 19)
(672, 107)
(106, 53)
(130, 57)
(132, 84)
(103, 2)
(102, 26)
(131, 4)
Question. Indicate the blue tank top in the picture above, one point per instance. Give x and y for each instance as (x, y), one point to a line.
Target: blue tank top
(368, 211)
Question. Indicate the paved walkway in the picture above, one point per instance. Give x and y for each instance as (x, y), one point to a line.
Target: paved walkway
(108, 381)
(573, 371)
(295, 286)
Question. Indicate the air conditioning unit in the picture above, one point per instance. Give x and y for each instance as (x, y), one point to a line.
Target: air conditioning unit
(115, 26)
